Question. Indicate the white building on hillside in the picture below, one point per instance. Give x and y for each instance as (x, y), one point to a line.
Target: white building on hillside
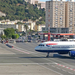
(2, 14)
(31, 24)
(39, 3)
(31, 1)
(9, 22)
(39, 28)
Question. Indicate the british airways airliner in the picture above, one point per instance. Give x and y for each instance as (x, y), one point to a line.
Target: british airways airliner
(61, 47)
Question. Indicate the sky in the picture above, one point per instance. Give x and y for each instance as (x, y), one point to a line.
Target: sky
(43, 0)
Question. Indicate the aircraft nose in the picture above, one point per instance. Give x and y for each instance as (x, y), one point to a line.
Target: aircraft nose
(36, 48)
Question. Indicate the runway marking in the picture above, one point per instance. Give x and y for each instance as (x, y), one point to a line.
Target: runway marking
(58, 68)
(70, 72)
(63, 70)
(66, 67)
(21, 51)
(51, 69)
(29, 63)
(53, 66)
(25, 50)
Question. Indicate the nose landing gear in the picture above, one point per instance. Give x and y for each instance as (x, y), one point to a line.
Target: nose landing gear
(47, 54)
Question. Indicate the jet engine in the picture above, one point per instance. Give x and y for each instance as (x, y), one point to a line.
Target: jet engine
(72, 53)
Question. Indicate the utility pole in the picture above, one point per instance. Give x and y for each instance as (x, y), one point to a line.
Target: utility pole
(48, 32)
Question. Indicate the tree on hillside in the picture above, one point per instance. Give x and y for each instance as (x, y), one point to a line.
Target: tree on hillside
(19, 23)
(19, 11)
(25, 28)
(16, 30)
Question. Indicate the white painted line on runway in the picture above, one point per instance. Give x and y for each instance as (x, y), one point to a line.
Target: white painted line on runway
(28, 63)
(9, 57)
(21, 51)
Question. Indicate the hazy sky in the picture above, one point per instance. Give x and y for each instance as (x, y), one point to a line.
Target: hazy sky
(43, 0)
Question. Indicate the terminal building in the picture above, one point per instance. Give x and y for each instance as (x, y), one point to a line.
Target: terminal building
(60, 14)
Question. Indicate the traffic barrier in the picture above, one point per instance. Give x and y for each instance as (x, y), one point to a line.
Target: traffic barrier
(9, 46)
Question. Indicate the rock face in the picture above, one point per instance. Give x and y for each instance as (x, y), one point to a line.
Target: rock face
(2, 14)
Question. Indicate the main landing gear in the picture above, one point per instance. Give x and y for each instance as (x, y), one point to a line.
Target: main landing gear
(47, 54)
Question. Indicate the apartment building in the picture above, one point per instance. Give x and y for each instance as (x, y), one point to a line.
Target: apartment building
(55, 14)
(60, 14)
(8, 26)
(70, 15)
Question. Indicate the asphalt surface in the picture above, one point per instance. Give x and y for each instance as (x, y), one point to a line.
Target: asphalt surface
(22, 59)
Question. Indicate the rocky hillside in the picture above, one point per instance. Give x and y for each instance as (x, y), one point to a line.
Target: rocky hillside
(20, 10)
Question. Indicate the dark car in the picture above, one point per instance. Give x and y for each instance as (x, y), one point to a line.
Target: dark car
(29, 40)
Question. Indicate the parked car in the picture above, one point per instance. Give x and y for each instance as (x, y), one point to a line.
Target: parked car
(29, 40)
(43, 40)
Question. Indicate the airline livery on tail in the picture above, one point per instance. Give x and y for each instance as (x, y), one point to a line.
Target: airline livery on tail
(59, 47)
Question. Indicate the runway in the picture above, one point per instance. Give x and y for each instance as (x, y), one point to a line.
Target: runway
(22, 59)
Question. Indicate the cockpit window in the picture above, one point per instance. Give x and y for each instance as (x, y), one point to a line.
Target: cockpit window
(41, 44)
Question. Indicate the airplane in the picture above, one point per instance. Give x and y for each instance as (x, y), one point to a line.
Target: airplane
(61, 47)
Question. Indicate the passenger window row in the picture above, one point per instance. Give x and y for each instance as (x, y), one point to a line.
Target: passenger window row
(41, 45)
